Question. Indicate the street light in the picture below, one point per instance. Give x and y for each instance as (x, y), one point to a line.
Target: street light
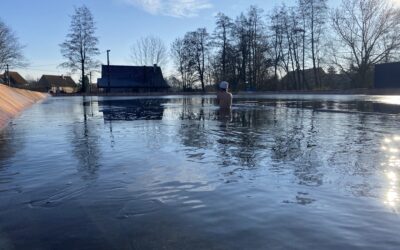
(108, 70)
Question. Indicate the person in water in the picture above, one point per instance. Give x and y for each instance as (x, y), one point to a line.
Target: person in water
(224, 98)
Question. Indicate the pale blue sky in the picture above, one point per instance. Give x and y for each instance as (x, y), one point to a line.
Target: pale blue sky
(41, 25)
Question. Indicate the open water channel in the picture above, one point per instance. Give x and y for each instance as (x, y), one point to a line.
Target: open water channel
(278, 172)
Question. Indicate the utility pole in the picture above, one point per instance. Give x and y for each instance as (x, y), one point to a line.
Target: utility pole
(108, 70)
(8, 75)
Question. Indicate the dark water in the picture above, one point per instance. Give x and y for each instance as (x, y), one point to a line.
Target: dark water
(278, 172)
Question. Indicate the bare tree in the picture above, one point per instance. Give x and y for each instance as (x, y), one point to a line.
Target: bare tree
(276, 36)
(368, 33)
(10, 48)
(149, 50)
(314, 13)
(183, 60)
(198, 43)
(258, 47)
(80, 46)
(222, 39)
(242, 44)
(202, 44)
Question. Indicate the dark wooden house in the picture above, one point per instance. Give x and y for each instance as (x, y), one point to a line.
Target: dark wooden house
(387, 75)
(118, 78)
(14, 79)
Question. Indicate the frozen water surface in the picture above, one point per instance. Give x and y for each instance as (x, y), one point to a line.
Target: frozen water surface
(278, 172)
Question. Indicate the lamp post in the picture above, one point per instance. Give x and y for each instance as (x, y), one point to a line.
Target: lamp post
(108, 70)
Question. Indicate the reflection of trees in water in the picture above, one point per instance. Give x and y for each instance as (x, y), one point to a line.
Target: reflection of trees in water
(242, 140)
(9, 144)
(254, 136)
(85, 143)
(193, 130)
(293, 145)
(236, 140)
(194, 109)
(352, 156)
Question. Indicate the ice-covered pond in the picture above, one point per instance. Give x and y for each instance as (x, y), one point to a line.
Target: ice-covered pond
(278, 172)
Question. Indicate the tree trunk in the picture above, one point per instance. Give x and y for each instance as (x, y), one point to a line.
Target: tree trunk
(83, 76)
(317, 84)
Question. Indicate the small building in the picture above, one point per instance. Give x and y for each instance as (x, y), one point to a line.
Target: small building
(58, 84)
(387, 75)
(118, 78)
(296, 77)
(14, 79)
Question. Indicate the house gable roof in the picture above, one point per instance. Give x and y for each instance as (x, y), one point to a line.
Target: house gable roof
(15, 78)
(132, 77)
(57, 81)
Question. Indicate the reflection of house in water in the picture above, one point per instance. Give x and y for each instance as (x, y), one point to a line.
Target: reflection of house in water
(132, 79)
(132, 109)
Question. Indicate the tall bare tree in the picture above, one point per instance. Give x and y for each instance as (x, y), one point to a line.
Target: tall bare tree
(314, 14)
(242, 44)
(222, 39)
(277, 36)
(80, 47)
(258, 46)
(149, 50)
(183, 60)
(10, 48)
(368, 32)
(198, 42)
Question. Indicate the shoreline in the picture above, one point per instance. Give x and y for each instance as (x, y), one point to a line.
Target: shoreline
(280, 92)
(13, 101)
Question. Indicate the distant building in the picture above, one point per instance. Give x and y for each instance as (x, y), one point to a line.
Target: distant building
(387, 75)
(330, 80)
(58, 84)
(290, 79)
(15, 79)
(337, 81)
(132, 79)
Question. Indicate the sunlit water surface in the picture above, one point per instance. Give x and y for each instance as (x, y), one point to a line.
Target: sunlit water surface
(278, 172)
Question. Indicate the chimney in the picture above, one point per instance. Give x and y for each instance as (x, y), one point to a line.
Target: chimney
(155, 67)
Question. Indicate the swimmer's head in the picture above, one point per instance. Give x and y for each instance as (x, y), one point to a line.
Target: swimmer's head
(223, 85)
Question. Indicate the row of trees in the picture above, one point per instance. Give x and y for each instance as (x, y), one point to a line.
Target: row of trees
(79, 49)
(283, 49)
(255, 49)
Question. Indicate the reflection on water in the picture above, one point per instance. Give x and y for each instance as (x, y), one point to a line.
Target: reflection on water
(395, 100)
(274, 172)
(390, 148)
(128, 110)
